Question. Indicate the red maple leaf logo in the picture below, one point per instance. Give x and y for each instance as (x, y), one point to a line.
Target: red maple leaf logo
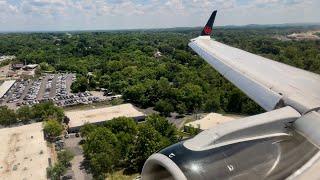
(207, 30)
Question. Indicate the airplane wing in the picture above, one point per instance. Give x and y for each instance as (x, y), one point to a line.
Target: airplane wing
(269, 83)
(272, 85)
(282, 143)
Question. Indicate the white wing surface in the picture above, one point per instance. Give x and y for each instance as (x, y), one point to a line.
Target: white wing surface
(269, 83)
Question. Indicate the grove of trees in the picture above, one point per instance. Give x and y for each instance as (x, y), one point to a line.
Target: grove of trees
(25, 114)
(123, 144)
(7, 116)
(60, 167)
(52, 128)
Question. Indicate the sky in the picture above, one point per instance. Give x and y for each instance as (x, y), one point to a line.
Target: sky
(64, 15)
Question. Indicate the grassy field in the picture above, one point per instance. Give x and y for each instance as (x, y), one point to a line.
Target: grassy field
(120, 176)
(105, 103)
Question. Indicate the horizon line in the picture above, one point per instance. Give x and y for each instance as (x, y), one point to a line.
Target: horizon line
(164, 28)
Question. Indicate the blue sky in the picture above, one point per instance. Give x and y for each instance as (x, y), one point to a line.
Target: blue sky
(37, 15)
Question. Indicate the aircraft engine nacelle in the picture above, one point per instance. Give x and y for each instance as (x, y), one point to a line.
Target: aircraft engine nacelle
(257, 147)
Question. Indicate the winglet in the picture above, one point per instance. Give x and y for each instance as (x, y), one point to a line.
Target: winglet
(207, 30)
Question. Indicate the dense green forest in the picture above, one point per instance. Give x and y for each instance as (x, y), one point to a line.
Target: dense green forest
(123, 62)
(124, 144)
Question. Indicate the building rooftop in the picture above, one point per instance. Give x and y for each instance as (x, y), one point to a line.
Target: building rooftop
(5, 86)
(31, 66)
(157, 54)
(211, 120)
(4, 58)
(23, 153)
(80, 117)
(17, 66)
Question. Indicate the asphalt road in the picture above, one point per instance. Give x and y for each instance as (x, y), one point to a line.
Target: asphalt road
(79, 172)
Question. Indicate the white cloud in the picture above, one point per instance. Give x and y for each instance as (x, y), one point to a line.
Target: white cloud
(111, 14)
(175, 4)
(6, 11)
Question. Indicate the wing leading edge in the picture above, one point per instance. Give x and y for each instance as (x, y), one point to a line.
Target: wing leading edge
(269, 83)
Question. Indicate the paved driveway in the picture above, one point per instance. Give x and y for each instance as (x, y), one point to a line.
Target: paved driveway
(79, 172)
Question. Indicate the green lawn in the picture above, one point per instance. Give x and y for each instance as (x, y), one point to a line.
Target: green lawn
(120, 176)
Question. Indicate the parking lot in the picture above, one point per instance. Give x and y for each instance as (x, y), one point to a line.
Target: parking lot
(49, 87)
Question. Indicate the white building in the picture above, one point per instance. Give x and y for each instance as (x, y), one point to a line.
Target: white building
(4, 87)
(210, 121)
(157, 54)
(23, 153)
(96, 116)
(5, 58)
